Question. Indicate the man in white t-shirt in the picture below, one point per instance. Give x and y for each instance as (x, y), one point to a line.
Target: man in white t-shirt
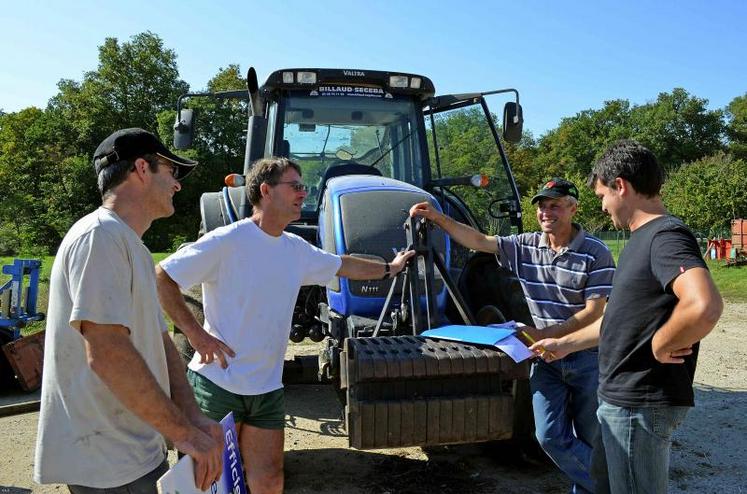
(250, 273)
(113, 385)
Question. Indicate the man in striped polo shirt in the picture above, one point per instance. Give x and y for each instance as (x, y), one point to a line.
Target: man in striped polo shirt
(566, 275)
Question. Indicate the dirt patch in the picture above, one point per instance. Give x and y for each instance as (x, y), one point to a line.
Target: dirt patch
(708, 454)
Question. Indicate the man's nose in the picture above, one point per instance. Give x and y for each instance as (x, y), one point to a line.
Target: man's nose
(177, 185)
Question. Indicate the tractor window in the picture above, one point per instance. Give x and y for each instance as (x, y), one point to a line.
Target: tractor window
(320, 132)
(466, 146)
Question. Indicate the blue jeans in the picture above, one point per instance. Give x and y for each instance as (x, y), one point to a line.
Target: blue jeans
(564, 400)
(144, 485)
(636, 443)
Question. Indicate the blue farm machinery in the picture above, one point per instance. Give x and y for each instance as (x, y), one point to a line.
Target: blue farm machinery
(22, 356)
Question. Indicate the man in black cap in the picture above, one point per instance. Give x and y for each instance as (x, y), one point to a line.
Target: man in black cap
(566, 275)
(114, 388)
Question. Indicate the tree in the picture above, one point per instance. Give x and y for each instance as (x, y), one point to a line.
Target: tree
(134, 81)
(45, 162)
(678, 128)
(219, 144)
(707, 194)
(578, 140)
(32, 184)
(736, 129)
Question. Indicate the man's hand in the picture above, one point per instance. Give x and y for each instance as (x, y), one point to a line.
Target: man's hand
(425, 210)
(399, 262)
(208, 426)
(551, 349)
(207, 453)
(674, 357)
(210, 348)
(533, 333)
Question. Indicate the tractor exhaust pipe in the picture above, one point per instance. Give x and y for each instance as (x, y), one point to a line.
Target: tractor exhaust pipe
(257, 124)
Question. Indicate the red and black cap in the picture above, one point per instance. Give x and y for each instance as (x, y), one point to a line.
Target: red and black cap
(557, 187)
(128, 144)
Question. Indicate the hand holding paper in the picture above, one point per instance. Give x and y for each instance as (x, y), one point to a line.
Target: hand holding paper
(550, 349)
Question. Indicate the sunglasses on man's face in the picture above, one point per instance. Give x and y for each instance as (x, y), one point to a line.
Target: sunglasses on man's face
(173, 169)
(296, 186)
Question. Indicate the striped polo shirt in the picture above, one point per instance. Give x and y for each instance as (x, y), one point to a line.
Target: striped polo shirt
(557, 284)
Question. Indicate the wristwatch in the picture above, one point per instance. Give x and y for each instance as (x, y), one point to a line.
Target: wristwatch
(387, 272)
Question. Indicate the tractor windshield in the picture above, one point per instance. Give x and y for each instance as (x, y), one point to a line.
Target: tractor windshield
(321, 132)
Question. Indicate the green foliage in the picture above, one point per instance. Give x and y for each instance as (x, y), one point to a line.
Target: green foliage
(45, 155)
(578, 140)
(678, 128)
(707, 194)
(737, 127)
(218, 146)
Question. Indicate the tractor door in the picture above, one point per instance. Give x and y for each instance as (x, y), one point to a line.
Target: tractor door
(463, 140)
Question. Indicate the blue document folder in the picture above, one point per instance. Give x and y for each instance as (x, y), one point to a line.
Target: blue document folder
(500, 336)
(483, 335)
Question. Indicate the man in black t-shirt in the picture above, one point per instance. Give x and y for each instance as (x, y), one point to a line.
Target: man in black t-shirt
(663, 302)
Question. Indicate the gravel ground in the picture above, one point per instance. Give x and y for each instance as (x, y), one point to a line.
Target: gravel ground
(708, 454)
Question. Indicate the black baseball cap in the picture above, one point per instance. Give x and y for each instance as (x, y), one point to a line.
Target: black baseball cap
(128, 144)
(557, 187)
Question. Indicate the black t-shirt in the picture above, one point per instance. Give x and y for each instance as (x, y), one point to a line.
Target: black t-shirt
(640, 303)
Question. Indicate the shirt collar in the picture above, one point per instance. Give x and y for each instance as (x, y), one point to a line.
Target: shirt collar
(575, 244)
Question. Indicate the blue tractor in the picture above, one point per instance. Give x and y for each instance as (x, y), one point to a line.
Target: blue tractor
(371, 144)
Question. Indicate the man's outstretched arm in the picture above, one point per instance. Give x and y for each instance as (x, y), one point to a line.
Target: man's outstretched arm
(357, 268)
(551, 349)
(461, 233)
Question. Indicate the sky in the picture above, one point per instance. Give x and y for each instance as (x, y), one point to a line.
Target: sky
(562, 56)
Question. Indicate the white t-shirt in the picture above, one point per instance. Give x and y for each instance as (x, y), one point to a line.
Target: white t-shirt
(104, 274)
(250, 282)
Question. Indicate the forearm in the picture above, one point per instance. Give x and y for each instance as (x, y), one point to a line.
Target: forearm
(466, 235)
(688, 324)
(173, 303)
(695, 314)
(585, 317)
(119, 365)
(181, 392)
(583, 338)
(356, 268)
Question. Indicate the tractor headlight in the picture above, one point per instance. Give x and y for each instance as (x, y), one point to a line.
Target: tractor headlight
(400, 81)
(306, 77)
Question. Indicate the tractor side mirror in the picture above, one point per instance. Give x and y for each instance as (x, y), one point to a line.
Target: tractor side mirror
(184, 129)
(513, 122)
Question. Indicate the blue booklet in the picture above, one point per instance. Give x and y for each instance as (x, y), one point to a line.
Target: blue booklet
(483, 335)
(500, 336)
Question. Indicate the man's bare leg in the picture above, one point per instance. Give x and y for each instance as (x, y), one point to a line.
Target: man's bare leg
(262, 454)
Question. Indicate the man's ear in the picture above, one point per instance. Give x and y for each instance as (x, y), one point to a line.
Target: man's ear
(141, 165)
(264, 189)
(622, 186)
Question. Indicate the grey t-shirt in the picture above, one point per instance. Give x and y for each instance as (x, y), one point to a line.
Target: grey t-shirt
(102, 273)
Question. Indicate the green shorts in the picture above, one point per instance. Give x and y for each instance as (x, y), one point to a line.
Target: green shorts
(266, 411)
